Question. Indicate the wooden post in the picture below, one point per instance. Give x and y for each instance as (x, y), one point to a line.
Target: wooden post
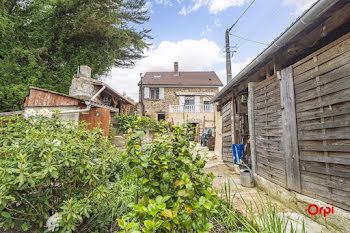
(289, 126)
(251, 121)
(233, 116)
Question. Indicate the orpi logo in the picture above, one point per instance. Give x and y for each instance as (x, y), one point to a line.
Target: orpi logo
(315, 209)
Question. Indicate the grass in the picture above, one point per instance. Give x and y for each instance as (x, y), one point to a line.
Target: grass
(264, 218)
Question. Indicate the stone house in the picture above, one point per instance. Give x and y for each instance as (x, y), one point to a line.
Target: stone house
(179, 97)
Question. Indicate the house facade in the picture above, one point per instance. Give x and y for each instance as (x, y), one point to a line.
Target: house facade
(179, 97)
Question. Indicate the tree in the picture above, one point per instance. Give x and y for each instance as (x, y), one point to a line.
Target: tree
(43, 42)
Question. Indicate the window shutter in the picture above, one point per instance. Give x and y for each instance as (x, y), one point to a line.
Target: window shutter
(161, 93)
(182, 103)
(146, 95)
(197, 103)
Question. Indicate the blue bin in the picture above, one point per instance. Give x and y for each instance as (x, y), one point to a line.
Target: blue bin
(237, 150)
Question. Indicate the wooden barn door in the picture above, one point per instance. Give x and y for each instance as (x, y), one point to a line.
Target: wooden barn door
(227, 133)
(322, 96)
(270, 159)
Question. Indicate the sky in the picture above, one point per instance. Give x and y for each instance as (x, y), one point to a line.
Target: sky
(192, 32)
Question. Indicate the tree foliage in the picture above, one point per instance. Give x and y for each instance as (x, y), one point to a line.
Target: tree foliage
(43, 42)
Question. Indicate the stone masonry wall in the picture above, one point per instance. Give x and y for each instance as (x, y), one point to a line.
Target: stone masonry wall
(152, 107)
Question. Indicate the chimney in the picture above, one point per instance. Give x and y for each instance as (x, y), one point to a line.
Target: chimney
(176, 68)
(81, 86)
(84, 71)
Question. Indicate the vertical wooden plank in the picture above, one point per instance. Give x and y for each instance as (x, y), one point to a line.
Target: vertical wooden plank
(289, 126)
(251, 122)
(233, 115)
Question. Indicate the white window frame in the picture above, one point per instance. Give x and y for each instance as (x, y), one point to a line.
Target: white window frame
(154, 93)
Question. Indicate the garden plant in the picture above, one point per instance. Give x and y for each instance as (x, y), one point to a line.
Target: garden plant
(58, 176)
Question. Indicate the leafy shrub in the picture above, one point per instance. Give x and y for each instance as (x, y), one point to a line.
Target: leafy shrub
(60, 175)
(131, 122)
(175, 194)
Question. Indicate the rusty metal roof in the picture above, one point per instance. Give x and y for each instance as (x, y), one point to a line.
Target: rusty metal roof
(198, 78)
(56, 99)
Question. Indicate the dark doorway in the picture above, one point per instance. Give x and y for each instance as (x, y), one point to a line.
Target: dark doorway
(161, 116)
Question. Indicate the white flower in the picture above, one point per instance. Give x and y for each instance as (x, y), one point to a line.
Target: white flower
(28, 113)
(44, 113)
(53, 222)
(15, 144)
(56, 142)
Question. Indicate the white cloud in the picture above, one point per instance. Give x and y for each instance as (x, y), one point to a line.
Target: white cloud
(164, 2)
(301, 5)
(192, 55)
(217, 22)
(209, 28)
(214, 6)
(206, 30)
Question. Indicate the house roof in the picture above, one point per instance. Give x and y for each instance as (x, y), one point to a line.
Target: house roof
(198, 78)
(40, 100)
(109, 89)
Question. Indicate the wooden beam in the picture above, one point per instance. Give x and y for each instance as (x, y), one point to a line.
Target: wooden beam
(251, 123)
(289, 125)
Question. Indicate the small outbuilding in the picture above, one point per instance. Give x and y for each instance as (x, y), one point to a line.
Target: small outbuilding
(290, 107)
(89, 100)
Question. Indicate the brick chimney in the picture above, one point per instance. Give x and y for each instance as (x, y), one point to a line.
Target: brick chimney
(176, 68)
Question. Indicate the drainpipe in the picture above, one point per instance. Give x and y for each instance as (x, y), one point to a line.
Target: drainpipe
(88, 107)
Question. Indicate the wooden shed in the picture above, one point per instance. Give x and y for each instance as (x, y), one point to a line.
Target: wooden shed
(297, 118)
(89, 100)
(70, 108)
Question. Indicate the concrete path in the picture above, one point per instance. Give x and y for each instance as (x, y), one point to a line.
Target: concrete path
(226, 176)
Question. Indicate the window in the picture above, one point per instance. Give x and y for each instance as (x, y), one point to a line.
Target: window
(189, 104)
(206, 102)
(189, 100)
(154, 93)
(161, 116)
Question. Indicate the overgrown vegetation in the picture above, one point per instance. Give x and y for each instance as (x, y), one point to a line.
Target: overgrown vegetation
(129, 123)
(59, 176)
(175, 194)
(261, 215)
(43, 42)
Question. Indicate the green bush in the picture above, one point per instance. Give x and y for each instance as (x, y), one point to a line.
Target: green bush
(131, 122)
(59, 176)
(175, 194)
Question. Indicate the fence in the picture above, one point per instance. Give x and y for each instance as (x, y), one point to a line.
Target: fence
(300, 125)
